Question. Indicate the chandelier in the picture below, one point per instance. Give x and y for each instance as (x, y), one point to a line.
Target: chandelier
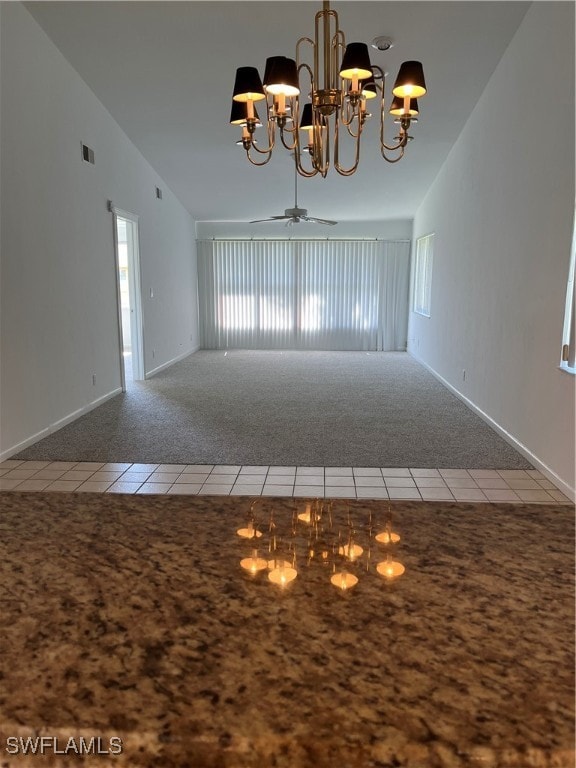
(340, 83)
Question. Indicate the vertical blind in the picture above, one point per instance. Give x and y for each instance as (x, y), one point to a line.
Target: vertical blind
(303, 294)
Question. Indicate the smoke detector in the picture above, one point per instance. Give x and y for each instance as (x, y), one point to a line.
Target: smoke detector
(382, 43)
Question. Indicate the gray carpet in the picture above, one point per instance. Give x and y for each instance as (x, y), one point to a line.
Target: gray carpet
(286, 408)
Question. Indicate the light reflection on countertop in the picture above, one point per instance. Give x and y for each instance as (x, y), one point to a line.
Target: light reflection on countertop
(130, 616)
(345, 541)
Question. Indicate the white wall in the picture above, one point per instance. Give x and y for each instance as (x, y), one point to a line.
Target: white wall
(57, 280)
(397, 229)
(502, 209)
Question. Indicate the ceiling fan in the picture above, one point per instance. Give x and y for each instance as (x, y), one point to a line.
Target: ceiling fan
(296, 215)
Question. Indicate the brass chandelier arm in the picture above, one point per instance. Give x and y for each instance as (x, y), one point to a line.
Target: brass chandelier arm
(303, 172)
(400, 145)
(305, 66)
(393, 159)
(392, 147)
(346, 171)
(356, 135)
(291, 131)
(302, 65)
(289, 147)
(299, 167)
(338, 46)
(271, 139)
(267, 151)
(352, 169)
(254, 161)
(349, 115)
(325, 15)
(299, 62)
(321, 147)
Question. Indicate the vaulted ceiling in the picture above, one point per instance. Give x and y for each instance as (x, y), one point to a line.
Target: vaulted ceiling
(165, 71)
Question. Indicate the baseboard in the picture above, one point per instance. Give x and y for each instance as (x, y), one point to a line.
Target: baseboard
(174, 360)
(58, 425)
(6, 454)
(516, 444)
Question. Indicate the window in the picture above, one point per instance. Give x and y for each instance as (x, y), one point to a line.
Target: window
(303, 294)
(568, 361)
(423, 275)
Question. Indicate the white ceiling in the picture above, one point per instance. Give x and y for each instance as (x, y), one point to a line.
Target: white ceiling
(165, 71)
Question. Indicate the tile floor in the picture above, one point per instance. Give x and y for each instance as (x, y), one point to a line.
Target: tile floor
(336, 482)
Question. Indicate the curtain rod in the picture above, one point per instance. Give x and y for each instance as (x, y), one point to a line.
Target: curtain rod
(303, 239)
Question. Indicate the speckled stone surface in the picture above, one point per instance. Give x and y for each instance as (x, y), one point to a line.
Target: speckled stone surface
(130, 617)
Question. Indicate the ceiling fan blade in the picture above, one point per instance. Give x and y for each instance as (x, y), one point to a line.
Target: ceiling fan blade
(271, 218)
(314, 220)
(296, 214)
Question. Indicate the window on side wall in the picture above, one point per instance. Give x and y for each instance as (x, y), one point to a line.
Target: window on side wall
(423, 275)
(568, 361)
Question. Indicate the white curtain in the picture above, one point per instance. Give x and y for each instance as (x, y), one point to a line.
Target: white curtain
(303, 294)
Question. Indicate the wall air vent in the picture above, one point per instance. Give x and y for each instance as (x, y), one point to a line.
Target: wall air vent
(87, 154)
(158, 193)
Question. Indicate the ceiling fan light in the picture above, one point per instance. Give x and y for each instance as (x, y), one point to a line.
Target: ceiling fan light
(239, 114)
(283, 77)
(356, 62)
(410, 81)
(397, 107)
(248, 85)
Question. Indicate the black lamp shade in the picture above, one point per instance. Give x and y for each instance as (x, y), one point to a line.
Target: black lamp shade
(239, 113)
(271, 62)
(368, 88)
(397, 107)
(356, 62)
(306, 121)
(248, 85)
(282, 77)
(410, 80)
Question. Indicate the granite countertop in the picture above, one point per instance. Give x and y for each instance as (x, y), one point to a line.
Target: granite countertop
(130, 617)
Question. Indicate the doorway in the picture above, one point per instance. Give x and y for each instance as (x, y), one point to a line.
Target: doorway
(131, 344)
